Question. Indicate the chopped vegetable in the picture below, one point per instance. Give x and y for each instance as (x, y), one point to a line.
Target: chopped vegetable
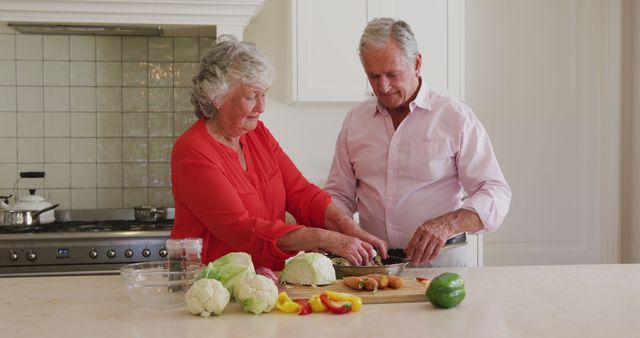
(354, 282)
(446, 290)
(229, 269)
(395, 282)
(256, 293)
(423, 280)
(305, 307)
(334, 306)
(206, 297)
(316, 304)
(285, 304)
(308, 269)
(356, 302)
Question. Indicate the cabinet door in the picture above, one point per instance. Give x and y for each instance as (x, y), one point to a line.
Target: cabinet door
(325, 50)
(438, 28)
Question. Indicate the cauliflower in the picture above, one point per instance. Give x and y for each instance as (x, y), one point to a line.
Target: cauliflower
(256, 293)
(207, 296)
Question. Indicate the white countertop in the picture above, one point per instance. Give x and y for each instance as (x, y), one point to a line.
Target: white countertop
(526, 301)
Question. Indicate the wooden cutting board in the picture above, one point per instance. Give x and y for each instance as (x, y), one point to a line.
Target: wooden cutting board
(411, 292)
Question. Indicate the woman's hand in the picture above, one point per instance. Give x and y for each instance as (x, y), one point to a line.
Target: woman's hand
(337, 221)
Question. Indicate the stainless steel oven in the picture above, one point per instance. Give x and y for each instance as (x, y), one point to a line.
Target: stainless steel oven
(83, 242)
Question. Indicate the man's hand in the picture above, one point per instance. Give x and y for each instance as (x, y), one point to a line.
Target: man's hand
(430, 237)
(337, 221)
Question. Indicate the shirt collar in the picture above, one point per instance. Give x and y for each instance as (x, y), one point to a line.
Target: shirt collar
(422, 100)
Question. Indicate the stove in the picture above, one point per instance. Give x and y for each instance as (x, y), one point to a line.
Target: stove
(83, 242)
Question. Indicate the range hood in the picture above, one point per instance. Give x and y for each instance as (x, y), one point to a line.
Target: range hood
(229, 17)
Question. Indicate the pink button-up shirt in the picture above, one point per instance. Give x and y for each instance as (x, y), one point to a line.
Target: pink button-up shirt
(397, 179)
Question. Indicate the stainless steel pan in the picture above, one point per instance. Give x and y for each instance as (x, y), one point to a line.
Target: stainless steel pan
(21, 219)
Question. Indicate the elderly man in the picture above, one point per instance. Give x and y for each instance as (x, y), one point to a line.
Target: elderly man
(417, 166)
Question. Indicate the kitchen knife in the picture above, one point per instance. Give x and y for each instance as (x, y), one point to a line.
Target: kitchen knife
(453, 242)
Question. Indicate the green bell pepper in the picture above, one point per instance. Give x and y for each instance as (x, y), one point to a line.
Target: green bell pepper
(446, 290)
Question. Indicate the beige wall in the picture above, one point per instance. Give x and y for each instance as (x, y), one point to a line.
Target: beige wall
(631, 134)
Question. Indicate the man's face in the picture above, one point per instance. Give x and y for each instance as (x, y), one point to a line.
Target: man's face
(393, 79)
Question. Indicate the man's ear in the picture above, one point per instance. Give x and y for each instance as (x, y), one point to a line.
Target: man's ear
(418, 64)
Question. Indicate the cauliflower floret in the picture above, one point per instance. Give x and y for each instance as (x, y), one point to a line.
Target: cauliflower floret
(256, 293)
(207, 296)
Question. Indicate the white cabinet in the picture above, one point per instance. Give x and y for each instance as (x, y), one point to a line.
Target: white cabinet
(324, 45)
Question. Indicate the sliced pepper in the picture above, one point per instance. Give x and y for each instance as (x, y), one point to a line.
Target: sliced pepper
(337, 307)
(356, 302)
(305, 307)
(316, 304)
(285, 304)
(423, 280)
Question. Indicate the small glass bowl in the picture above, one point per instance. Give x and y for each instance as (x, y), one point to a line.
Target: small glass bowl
(154, 285)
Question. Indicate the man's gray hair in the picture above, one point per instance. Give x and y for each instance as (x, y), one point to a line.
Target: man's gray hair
(225, 64)
(380, 30)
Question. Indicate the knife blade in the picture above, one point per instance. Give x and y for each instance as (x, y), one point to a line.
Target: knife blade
(453, 242)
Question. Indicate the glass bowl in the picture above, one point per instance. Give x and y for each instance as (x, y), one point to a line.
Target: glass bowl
(154, 285)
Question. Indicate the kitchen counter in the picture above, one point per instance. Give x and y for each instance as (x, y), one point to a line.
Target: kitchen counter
(524, 301)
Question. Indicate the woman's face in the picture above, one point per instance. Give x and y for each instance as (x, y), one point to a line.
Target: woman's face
(241, 109)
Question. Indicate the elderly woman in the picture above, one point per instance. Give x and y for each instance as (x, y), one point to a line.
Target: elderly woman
(232, 183)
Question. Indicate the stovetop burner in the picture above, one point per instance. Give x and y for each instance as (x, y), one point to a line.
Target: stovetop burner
(91, 226)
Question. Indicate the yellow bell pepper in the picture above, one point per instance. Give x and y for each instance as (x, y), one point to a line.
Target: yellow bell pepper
(316, 304)
(285, 304)
(356, 302)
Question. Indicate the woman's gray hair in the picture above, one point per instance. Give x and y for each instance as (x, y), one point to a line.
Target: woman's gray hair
(225, 64)
(380, 30)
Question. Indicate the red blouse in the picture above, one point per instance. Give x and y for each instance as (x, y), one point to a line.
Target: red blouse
(236, 210)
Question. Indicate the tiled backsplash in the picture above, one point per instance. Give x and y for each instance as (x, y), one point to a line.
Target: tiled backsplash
(97, 114)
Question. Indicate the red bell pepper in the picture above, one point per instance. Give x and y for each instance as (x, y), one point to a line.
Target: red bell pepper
(423, 280)
(305, 307)
(337, 307)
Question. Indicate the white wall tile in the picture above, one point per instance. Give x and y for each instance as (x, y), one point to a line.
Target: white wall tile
(134, 175)
(134, 74)
(8, 125)
(83, 99)
(29, 73)
(56, 47)
(109, 99)
(160, 124)
(82, 73)
(57, 150)
(109, 198)
(8, 43)
(30, 98)
(30, 124)
(203, 45)
(161, 196)
(161, 99)
(56, 99)
(8, 150)
(109, 175)
(134, 99)
(182, 122)
(9, 175)
(56, 73)
(161, 49)
(83, 175)
(84, 198)
(29, 47)
(108, 48)
(109, 124)
(82, 48)
(83, 150)
(30, 150)
(159, 174)
(135, 124)
(134, 48)
(83, 125)
(58, 175)
(185, 49)
(160, 149)
(182, 100)
(57, 124)
(183, 73)
(135, 197)
(134, 149)
(62, 197)
(8, 98)
(109, 149)
(160, 74)
(109, 73)
(7, 73)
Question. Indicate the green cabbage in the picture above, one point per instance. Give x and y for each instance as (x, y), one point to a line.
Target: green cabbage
(229, 269)
(309, 269)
